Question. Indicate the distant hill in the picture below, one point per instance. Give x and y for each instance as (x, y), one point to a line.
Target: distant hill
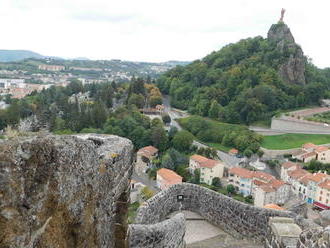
(17, 55)
(248, 81)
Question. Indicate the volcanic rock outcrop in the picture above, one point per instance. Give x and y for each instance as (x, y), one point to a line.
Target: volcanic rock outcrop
(64, 191)
(292, 70)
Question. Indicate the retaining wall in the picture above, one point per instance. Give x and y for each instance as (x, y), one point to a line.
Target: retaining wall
(290, 125)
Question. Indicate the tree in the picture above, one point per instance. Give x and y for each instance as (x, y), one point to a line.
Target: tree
(159, 138)
(247, 153)
(214, 110)
(167, 162)
(216, 182)
(197, 176)
(173, 130)
(166, 118)
(137, 100)
(182, 140)
(147, 193)
(231, 189)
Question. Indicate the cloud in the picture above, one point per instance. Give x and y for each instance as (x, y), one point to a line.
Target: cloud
(155, 30)
(102, 17)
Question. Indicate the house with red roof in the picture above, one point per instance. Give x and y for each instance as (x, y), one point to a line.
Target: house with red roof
(286, 167)
(209, 168)
(166, 178)
(322, 199)
(241, 179)
(145, 156)
(309, 151)
(274, 192)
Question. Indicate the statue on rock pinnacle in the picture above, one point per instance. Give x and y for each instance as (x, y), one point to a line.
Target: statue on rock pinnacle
(282, 15)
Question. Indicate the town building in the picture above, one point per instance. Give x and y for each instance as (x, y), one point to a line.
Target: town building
(209, 168)
(241, 179)
(310, 151)
(51, 67)
(275, 192)
(165, 178)
(286, 167)
(6, 83)
(233, 152)
(322, 199)
(145, 155)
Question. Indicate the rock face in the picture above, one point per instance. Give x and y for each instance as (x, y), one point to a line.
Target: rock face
(292, 70)
(64, 191)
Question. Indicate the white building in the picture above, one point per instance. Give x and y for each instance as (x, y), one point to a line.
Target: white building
(209, 168)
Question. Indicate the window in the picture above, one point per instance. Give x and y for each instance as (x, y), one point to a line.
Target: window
(321, 192)
(327, 201)
(320, 199)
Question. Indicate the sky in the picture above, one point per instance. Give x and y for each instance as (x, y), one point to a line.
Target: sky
(157, 30)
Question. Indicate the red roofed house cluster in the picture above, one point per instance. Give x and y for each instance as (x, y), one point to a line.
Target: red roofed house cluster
(310, 151)
(314, 188)
(265, 188)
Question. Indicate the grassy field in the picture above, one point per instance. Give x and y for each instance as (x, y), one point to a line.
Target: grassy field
(218, 146)
(211, 132)
(288, 141)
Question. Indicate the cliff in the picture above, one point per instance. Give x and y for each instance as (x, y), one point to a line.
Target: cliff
(64, 191)
(292, 70)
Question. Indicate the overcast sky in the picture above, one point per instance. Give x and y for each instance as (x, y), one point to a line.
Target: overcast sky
(157, 30)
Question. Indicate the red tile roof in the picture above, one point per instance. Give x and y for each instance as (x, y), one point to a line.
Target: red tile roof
(309, 146)
(289, 164)
(148, 151)
(277, 183)
(325, 184)
(263, 176)
(321, 149)
(169, 175)
(233, 151)
(204, 162)
(297, 173)
(273, 206)
(318, 177)
(241, 172)
(267, 188)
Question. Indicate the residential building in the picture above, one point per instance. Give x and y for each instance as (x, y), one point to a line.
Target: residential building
(241, 179)
(233, 152)
(322, 199)
(286, 167)
(146, 155)
(310, 151)
(165, 178)
(51, 67)
(275, 192)
(293, 179)
(209, 168)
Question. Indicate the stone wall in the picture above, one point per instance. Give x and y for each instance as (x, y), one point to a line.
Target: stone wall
(64, 191)
(315, 238)
(239, 219)
(166, 234)
(288, 125)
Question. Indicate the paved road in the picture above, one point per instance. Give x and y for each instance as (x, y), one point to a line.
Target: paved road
(268, 131)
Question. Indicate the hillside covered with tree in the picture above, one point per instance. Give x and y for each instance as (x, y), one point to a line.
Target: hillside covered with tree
(248, 81)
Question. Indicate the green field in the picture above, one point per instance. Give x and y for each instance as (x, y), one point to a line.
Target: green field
(288, 141)
(213, 133)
